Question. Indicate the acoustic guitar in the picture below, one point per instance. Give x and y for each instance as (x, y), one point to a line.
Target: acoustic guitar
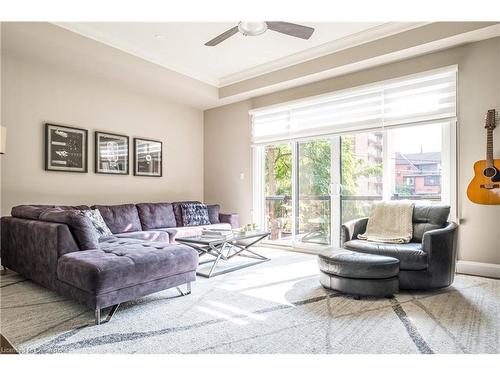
(485, 186)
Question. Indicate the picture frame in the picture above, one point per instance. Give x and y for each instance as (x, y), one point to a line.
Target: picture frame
(111, 153)
(66, 148)
(148, 157)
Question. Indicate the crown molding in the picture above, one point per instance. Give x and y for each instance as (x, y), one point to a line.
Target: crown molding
(349, 41)
(367, 35)
(79, 29)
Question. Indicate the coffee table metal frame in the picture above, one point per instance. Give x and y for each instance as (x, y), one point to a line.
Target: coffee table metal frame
(225, 249)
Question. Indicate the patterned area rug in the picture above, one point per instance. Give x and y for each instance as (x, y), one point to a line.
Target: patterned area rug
(274, 307)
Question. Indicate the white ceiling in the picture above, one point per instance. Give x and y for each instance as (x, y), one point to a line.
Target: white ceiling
(182, 46)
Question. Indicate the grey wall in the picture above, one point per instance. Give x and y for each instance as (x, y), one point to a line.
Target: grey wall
(227, 136)
(34, 93)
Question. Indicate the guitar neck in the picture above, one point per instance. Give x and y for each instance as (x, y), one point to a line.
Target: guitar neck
(489, 148)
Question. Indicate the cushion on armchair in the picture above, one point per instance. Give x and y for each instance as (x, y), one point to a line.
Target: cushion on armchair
(427, 217)
(410, 255)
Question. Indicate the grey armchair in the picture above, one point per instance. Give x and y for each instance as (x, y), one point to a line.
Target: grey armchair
(428, 261)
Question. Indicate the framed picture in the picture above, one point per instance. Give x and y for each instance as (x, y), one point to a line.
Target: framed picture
(111, 153)
(148, 158)
(65, 148)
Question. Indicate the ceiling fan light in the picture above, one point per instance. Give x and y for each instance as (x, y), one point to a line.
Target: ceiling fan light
(252, 28)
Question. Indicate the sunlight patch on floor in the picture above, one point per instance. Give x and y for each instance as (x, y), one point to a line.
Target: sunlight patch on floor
(276, 293)
(236, 310)
(221, 315)
(272, 275)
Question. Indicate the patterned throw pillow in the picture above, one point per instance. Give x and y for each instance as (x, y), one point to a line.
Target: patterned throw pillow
(194, 214)
(98, 222)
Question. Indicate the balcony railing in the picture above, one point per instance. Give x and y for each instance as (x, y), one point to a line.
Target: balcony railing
(312, 223)
(314, 214)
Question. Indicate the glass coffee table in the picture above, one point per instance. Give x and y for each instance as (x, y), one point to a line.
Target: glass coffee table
(226, 248)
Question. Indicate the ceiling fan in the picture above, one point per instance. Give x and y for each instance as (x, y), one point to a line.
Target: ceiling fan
(258, 28)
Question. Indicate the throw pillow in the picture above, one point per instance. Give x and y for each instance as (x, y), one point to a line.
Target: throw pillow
(194, 214)
(177, 206)
(97, 221)
(213, 213)
(79, 225)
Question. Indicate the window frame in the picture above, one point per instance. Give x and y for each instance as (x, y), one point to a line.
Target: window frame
(449, 153)
(448, 176)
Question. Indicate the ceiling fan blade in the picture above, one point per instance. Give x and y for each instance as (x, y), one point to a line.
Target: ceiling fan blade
(298, 31)
(222, 37)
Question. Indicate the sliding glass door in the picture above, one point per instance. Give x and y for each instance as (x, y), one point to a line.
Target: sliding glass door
(278, 214)
(310, 187)
(297, 186)
(313, 197)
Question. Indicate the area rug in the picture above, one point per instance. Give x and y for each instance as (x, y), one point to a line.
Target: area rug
(274, 307)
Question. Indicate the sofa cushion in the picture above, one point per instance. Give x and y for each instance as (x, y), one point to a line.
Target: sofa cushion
(213, 213)
(156, 215)
(410, 255)
(150, 235)
(428, 217)
(77, 207)
(29, 211)
(79, 225)
(180, 232)
(120, 218)
(232, 219)
(121, 263)
(194, 214)
(178, 212)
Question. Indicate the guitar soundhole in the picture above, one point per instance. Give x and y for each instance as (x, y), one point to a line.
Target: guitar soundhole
(490, 172)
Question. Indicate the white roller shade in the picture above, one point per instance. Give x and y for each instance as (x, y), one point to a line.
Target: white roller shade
(271, 127)
(424, 97)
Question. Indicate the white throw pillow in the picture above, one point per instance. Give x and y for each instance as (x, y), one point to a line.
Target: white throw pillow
(98, 222)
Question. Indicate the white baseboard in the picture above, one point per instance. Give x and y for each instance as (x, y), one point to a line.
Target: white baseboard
(478, 269)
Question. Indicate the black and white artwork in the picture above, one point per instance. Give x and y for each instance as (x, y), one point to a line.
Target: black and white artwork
(111, 153)
(147, 158)
(65, 149)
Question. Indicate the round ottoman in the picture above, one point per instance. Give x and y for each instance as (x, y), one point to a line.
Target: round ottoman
(359, 273)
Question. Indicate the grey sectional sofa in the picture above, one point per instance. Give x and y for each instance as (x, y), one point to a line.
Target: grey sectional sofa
(52, 246)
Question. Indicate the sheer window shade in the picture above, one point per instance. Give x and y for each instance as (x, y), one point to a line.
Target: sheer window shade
(408, 100)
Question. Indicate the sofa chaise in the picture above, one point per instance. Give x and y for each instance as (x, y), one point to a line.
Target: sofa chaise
(52, 246)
